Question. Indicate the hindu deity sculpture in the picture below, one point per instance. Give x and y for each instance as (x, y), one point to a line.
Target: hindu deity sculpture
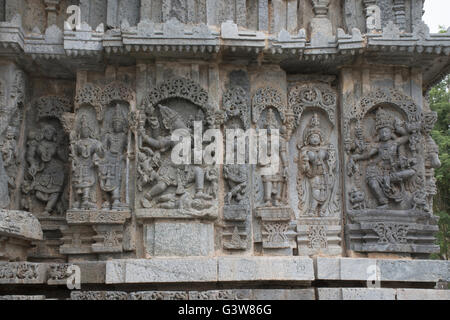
(86, 152)
(275, 185)
(315, 166)
(388, 168)
(165, 173)
(46, 167)
(113, 163)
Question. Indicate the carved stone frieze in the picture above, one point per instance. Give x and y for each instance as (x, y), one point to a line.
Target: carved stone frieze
(316, 191)
(101, 147)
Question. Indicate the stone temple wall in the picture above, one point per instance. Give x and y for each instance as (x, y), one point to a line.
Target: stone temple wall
(91, 92)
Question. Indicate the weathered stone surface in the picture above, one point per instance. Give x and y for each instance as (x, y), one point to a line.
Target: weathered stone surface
(423, 294)
(356, 294)
(22, 273)
(388, 270)
(20, 224)
(265, 268)
(23, 297)
(159, 270)
(180, 239)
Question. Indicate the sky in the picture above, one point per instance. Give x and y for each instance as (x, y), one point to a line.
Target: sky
(437, 13)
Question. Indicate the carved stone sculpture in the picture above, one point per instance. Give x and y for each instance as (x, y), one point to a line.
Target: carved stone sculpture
(387, 175)
(112, 165)
(46, 167)
(86, 151)
(387, 172)
(317, 164)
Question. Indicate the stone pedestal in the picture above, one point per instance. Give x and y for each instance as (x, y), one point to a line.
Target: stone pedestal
(18, 229)
(94, 232)
(319, 235)
(276, 230)
(407, 231)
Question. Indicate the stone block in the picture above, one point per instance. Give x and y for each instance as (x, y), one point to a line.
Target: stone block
(283, 294)
(389, 270)
(161, 270)
(22, 273)
(356, 294)
(265, 268)
(180, 239)
(22, 297)
(422, 294)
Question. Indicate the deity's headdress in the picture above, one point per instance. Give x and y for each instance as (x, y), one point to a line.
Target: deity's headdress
(312, 128)
(85, 124)
(118, 115)
(171, 119)
(383, 120)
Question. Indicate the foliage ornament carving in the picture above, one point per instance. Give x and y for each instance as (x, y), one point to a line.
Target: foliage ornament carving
(307, 95)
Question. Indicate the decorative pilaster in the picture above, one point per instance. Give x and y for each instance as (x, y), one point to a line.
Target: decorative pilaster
(51, 7)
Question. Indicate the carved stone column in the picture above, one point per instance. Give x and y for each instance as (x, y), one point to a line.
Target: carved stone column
(321, 28)
(400, 14)
(271, 201)
(100, 149)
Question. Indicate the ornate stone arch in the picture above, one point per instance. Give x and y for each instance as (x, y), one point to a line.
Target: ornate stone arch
(268, 97)
(178, 88)
(309, 95)
(390, 96)
(89, 95)
(235, 103)
(52, 107)
(116, 91)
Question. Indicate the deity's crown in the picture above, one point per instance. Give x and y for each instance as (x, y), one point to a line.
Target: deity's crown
(117, 114)
(312, 128)
(383, 120)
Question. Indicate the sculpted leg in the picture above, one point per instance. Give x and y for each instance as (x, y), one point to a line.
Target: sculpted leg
(374, 186)
(199, 175)
(156, 190)
(51, 202)
(268, 193)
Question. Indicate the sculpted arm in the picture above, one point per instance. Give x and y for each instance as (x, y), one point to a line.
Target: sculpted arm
(365, 156)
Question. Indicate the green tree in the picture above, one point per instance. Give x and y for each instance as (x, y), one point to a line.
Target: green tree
(439, 98)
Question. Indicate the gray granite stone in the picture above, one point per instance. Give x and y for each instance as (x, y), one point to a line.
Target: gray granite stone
(389, 269)
(180, 239)
(423, 294)
(160, 270)
(265, 268)
(356, 294)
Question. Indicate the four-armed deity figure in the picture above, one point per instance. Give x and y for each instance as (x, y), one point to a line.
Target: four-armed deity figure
(86, 152)
(313, 164)
(112, 165)
(387, 168)
(46, 167)
(275, 185)
(169, 174)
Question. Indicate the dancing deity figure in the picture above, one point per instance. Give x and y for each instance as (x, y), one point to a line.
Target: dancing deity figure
(387, 169)
(314, 156)
(46, 167)
(112, 165)
(86, 152)
(168, 174)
